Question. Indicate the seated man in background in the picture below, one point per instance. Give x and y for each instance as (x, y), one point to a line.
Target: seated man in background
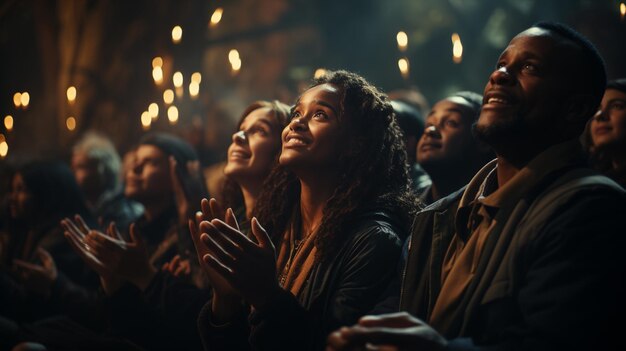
(530, 255)
(447, 150)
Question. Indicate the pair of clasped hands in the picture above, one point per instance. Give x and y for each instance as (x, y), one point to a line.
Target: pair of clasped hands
(235, 264)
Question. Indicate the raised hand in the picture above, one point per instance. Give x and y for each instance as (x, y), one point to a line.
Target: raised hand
(75, 232)
(220, 286)
(128, 260)
(249, 267)
(37, 278)
(395, 331)
(177, 267)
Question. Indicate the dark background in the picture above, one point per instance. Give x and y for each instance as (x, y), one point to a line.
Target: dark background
(105, 49)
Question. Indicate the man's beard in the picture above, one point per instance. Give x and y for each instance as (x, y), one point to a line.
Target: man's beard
(502, 133)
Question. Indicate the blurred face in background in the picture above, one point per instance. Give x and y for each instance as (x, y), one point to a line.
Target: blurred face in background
(149, 179)
(20, 198)
(253, 149)
(608, 126)
(87, 175)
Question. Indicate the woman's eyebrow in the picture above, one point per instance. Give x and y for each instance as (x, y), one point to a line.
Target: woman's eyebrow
(326, 104)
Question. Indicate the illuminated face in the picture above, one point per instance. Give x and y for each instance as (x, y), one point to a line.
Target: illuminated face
(87, 176)
(315, 135)
(447, 135)
(608, 127)
(525, 94)
(149, 179)
(254, 147)
(20, 198)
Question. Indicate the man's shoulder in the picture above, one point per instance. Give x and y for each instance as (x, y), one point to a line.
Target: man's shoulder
(579, 181)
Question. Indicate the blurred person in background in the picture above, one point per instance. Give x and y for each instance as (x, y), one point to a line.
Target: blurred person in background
(98, 170)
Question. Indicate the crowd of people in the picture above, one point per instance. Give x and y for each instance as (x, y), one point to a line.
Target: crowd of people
(346, 221)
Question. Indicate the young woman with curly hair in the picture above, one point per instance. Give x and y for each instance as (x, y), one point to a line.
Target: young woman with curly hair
(335, 210)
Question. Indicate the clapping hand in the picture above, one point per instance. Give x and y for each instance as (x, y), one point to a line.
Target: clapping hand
(37, 278)
(110, 255)
(390, 332)
(177, 267)
(248, 267)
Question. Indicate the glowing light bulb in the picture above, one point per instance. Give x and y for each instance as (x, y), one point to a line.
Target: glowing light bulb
(177, 34)
(217, 16)
(403, 65)
(17, 99)
(178, 79)
(403, 40)
(172, 114)
(153, 110)
(157, 75)
(194, 89)
(8, 122)
(71, 94)
(168, 96)
(146, 120)
(70, 123)
(25, 99)
(457, 48)
(196, 77)
(157, 62)
(4, 149)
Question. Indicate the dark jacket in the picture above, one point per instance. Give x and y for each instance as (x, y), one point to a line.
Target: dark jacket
(552, 273)
(338, 292)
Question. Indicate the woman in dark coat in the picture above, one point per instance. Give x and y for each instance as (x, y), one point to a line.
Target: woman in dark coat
(334, 212)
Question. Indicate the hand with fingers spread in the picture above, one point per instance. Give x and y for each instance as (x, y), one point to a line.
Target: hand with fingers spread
(76, 232)
(128, 260)
(395, 331)
(37, 278)
(248, 266)
(178, 267)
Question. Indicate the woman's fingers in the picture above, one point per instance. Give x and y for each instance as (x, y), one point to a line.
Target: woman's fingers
(216, 209)
(218, 251)
(205, 208)
(261, 234)
(230, 219)
(71, 227)
(81, 224)
(234, 235)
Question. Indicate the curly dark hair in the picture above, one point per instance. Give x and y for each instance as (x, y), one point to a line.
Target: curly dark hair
(374, 169)
(231, 191)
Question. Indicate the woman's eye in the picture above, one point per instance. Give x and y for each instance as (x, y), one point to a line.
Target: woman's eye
(500, 65)
(320, 115)
(295, 114)
(257, 131)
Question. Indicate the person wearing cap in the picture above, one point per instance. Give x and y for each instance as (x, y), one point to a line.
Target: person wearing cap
(447, 149)
(607, 132)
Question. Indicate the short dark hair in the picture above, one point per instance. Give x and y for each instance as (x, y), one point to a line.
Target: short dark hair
(617, 84)
(594, 70)
(474, 100)
(409, 118)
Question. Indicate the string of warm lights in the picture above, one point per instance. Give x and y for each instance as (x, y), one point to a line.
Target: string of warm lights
(177, 91)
